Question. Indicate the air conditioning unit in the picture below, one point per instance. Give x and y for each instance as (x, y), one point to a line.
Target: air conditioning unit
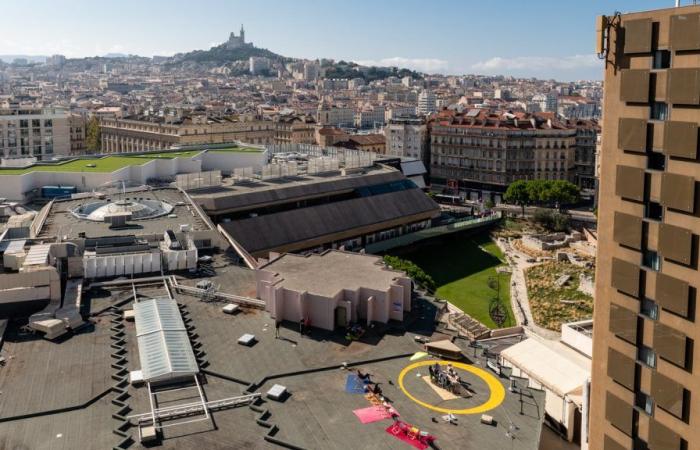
(117, 220)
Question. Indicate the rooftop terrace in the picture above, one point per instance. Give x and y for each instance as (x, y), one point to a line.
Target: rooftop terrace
(61, 220)
(59, 395)
(328, 273)
(106, 164)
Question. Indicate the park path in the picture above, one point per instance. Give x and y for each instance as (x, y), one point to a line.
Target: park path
(520, 302)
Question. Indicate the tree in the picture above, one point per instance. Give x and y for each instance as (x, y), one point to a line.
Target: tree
(537, 191)
(93, 135)
(517, 193)
(562, 192)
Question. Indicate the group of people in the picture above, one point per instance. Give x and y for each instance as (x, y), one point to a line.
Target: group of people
(373, 388)
(446, 378)
(370, 386)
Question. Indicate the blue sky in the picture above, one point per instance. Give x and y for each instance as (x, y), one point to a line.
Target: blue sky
(543, 38)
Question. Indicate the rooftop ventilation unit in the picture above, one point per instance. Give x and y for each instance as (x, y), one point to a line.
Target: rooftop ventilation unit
(117, 219)
(171, 240)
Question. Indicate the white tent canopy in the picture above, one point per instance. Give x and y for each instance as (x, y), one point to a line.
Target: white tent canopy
(551, 369)
(165, 351)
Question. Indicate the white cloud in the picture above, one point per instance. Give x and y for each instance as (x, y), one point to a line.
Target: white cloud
(430, 65)
(538, 63)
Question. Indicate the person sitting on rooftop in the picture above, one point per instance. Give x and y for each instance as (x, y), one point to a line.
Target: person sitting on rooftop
(363, 376)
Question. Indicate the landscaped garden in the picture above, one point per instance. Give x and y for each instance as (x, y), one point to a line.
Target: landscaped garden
(463, 269)
(553, 301)
(112, 163)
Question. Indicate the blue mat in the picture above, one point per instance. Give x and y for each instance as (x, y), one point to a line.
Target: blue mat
(354, 385)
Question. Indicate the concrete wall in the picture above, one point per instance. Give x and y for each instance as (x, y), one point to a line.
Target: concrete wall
(42, 284)
(577, 340)
(227, 161)
(15, 187)
(283, 304)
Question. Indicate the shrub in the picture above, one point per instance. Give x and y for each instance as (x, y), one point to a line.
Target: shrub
(551, 220)
(416, 273)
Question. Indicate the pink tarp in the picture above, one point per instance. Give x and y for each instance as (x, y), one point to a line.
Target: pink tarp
(374, 414)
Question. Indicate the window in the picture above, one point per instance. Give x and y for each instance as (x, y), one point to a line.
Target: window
(659, 111)
(48, 123)
(662, 59)
(646, 356)
(651, 260)
(653, 210)
(644, 402)
(36, 123)
(649, 308)
(656, 161)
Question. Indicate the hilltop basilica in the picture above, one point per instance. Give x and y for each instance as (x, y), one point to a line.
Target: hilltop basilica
(237, 41)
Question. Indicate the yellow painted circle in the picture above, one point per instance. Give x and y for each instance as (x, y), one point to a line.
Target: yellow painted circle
(498, 393)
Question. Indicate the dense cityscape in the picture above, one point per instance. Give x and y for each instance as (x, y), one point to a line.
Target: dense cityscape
(234, 248)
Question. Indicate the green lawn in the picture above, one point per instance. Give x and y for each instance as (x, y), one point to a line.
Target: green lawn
(235, 149)
(112, 163)
(461, 266)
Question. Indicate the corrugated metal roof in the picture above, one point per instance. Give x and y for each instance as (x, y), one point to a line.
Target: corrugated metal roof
(281, 192)
(414, 167)
(164, 347)
(37, 255)
(271, 231)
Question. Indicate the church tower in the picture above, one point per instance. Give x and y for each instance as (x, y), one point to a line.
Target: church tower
(242, 35)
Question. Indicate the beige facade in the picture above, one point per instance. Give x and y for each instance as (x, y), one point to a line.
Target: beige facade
(333, 289)
(407, 138)
(135, 135)
(487, 150)
(37, 132)
(645, 390)
(295, 130)
(336, 116)
(78, 130)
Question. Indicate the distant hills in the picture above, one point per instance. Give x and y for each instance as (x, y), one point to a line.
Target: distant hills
(30, 58)
(236, 59)
(221, 55)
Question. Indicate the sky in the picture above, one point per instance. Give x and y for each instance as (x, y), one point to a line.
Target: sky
(540, 38)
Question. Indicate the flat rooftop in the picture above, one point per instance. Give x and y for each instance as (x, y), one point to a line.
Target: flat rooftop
(58, 394)
(61, 221)
(328, 273)
(107, 164)
(249, 193)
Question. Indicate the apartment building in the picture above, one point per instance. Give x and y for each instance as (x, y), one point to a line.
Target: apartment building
(370, 117)
(584, 157)
(375, 143)
(294, 129)
(336, 116)
(427, 103)
(37, 132)
(484, 151)
(407, 138)
(139, 133)
(645, 391)
(78, 132)
(258, 65)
